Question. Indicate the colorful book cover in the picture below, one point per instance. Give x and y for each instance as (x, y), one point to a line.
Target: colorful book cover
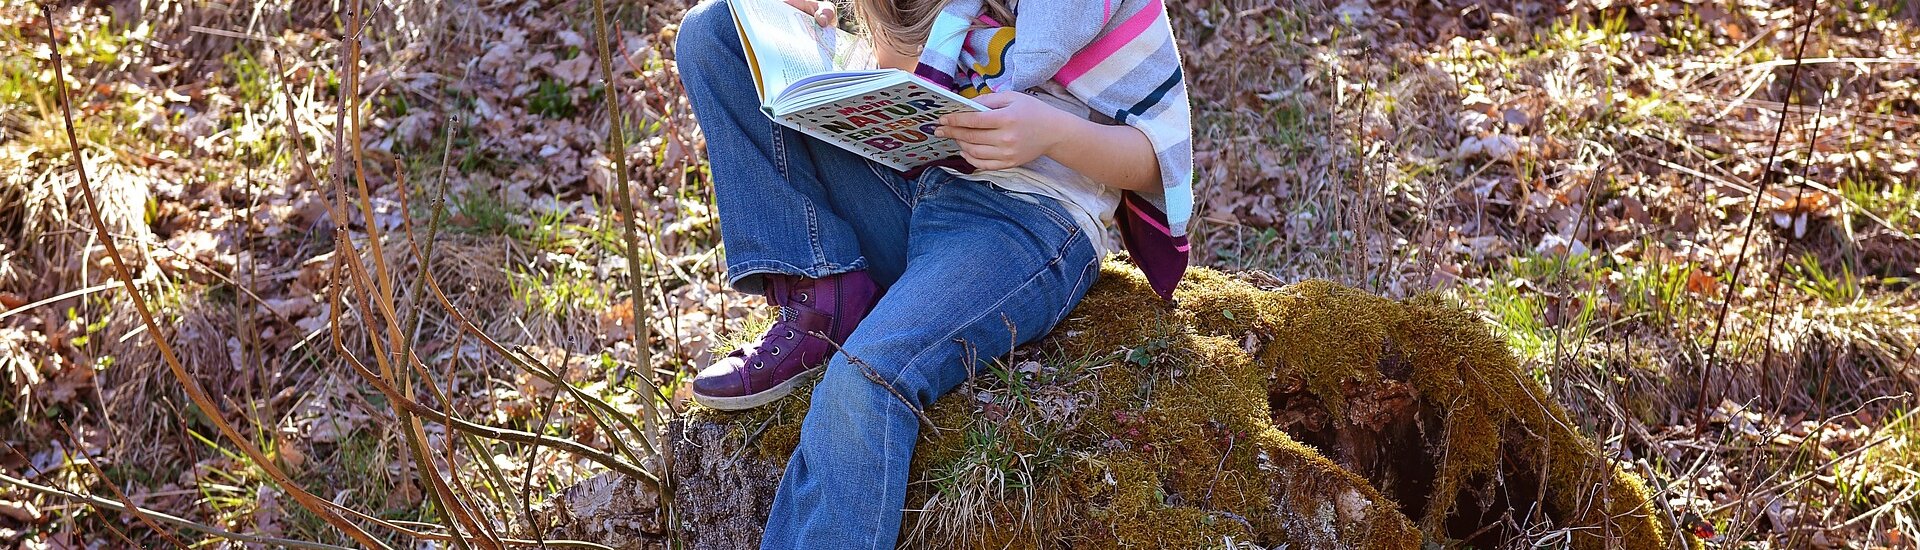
(893, 125)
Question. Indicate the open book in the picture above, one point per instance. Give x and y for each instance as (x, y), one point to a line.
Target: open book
(822, 81)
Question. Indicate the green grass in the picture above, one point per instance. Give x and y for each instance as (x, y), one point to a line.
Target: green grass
(1248, 247)
(481, 213)
(246, 79)
(993, 461)
(553, 99)
(557, 290)
(1894, 200)
(1547, 308)
(1686, 33)
(1658, 292)
(18, 86)
(1886, 477)
(96, 48)
(550, 100)
(1809, 277)
(1013, 448)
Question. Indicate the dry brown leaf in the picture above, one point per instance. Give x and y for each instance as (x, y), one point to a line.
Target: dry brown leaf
(1795, 200)
(573, 71)
(616, 321)
(1701, 283)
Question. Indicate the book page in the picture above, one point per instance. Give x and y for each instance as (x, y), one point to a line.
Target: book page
(829, 86)
(785, 45)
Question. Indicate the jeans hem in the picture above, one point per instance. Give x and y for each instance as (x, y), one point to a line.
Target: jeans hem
(741, 275)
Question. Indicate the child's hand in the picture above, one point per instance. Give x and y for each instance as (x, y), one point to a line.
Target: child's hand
(823, 12)
(1020, 128)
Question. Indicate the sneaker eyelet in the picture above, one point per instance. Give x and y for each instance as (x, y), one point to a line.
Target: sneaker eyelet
(775, 352)
(758, 365)
(789, 334)
(803, 296)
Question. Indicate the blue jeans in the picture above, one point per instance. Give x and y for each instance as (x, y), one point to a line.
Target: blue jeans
(968, 269)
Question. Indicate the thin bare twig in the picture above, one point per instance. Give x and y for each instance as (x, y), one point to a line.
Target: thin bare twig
(624, 204)
(66, 453)
(526, 475)
(503, 434)
(194, 391)
(131, 508)
(184, 523)
(874, 375)
(1746, 239)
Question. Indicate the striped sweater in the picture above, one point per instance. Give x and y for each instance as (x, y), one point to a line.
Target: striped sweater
(1118, 57)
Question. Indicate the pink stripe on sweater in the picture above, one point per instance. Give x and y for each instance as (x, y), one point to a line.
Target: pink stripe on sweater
(1149, 219)
(1103, 48)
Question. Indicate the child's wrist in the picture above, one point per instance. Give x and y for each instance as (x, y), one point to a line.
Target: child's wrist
(1066, 130)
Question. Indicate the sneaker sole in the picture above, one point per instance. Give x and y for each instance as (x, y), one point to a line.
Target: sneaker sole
(749, 401)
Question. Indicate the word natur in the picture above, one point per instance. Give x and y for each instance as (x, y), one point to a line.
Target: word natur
(899, 123)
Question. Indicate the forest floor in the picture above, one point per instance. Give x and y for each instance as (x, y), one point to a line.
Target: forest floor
(1694, 221)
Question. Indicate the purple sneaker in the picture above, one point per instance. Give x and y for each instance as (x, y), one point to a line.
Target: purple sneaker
(761, 372)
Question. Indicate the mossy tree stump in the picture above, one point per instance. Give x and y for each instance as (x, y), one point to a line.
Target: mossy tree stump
(1311, 415)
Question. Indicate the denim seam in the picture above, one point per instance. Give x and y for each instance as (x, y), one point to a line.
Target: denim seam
(780, 149)
(813, 234)
(1063, 221)
(1065, 308)
(737, 271)
(888, 180)
(913, 363)
(930, 183)
(886, 472)
(1073, 234)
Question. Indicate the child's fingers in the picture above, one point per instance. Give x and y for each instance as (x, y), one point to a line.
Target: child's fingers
(984, 164)
(973, 135)
(986, 121)
(986, 152)
(996, 100)
(823, 12)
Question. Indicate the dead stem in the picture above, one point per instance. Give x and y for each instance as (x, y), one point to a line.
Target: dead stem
(489, 432)
(527, 364)
(192, 386)
(98, 502)
(426, 472)
(624, 204)
(874, 375)
(1746, 239)
(382, 295)
(526, 475)
(120, 495)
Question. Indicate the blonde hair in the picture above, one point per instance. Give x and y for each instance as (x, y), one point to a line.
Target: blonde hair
(906, 23)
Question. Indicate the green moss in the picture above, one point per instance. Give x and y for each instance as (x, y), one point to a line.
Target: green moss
(1149, 426)
(1493, 410)
(772, 430)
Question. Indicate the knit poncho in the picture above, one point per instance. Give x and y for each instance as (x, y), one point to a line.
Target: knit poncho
(1118, 57)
